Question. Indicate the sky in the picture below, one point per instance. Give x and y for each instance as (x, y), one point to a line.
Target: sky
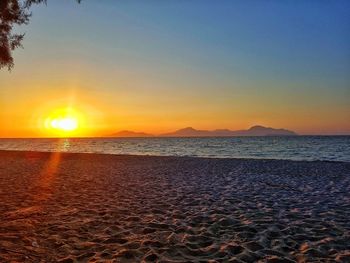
(157, 66)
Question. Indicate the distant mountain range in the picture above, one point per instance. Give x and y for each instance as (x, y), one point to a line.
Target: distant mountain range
(127, 133)
(191, 132)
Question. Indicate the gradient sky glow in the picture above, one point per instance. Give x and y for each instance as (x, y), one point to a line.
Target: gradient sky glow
(156, 66)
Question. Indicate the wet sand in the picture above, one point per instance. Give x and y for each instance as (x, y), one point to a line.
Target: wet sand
(108, 208)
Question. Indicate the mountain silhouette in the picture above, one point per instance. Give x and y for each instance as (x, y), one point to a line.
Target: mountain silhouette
(191, 132)
(187, 132)
(264, 131)
(126, 133)
(253, 131)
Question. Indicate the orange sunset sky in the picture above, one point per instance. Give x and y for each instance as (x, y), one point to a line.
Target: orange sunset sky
(155, 68)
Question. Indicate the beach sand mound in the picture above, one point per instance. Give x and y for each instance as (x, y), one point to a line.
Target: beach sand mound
(105, 208)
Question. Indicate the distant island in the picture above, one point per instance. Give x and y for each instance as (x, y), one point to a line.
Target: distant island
(126, 133)
(191, 132)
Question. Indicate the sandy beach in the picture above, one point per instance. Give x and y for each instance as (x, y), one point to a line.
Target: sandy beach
(108, 208)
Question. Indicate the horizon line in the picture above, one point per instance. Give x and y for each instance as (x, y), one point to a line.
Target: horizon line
(159, 136)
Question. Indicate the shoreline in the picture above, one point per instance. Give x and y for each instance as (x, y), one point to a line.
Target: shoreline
(80, 207)
(168, 156)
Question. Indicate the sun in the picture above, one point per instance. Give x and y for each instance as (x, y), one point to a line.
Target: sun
(63, 122)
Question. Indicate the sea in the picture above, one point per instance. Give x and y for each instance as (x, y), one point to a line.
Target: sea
(309, 148)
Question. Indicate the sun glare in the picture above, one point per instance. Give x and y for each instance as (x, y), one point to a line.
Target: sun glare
(63, 122)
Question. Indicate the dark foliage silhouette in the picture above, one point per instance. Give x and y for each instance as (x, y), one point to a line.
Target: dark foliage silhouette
(12, 13)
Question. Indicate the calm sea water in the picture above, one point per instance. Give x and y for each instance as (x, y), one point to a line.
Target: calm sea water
(331, 148)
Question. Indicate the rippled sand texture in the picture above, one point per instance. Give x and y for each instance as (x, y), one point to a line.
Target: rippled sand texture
(97, 208)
